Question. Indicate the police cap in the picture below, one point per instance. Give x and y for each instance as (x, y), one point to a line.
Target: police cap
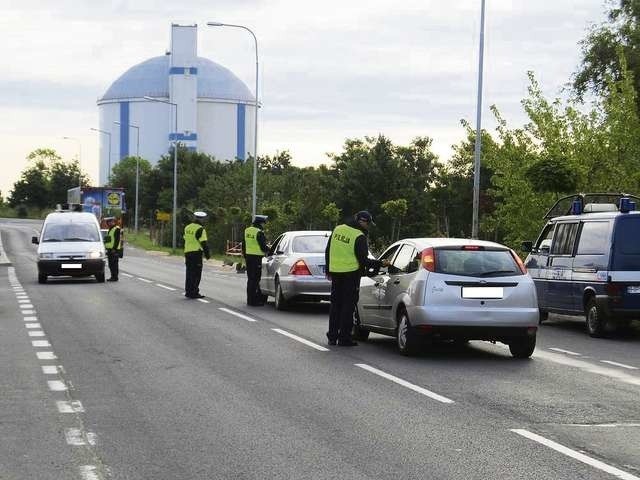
(199, 214)
(364, 216)
(260, 218)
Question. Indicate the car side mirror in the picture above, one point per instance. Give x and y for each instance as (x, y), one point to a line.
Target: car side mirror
(527, 246)
(34, 240)
(279, 252)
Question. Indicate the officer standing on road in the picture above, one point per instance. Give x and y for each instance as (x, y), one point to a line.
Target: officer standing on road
(347, 255)
(195, 245)
(113, 245)
(254, 247)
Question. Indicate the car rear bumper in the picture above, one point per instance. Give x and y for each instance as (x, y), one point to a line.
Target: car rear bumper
(474, 317)
(56, 268)
(305, 286)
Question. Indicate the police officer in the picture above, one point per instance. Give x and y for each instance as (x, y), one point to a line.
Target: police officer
(347, 257)
(113, 245)
(254, 247)
(195, 245)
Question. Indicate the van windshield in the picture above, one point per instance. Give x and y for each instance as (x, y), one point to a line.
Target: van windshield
(476, 263)
(71, 232)
(626, 251)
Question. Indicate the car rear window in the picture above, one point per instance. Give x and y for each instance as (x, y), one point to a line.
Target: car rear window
(71, 232)
(310, 244)
(626, 250)
(476, 263)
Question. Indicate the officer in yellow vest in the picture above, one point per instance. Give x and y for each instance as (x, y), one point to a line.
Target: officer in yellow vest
(254, 247)
(195, 245)
(113, 245)
(347, 257)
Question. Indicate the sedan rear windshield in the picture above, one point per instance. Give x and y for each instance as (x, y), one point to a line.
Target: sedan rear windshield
(71, 232)
(476, 263)
(310, 244)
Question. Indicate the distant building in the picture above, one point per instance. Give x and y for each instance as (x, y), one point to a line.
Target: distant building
(215, 108)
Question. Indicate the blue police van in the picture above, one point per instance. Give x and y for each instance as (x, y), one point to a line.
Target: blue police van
(587, 260)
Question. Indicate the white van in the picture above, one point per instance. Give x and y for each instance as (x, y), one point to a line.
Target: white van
(70, 244)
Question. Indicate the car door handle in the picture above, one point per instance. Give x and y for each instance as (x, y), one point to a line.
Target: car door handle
(396, 282)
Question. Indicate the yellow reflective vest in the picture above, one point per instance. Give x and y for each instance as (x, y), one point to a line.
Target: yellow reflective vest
(191, 243)
(111, 239)
(342, 251)
(251, 245)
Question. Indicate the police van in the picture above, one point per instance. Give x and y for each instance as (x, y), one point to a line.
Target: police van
(587, 260)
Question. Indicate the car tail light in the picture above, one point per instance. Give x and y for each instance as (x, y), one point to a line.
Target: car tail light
(428, 259)
(519, 261)
(300, 268)
(614, 290)
(472, 247)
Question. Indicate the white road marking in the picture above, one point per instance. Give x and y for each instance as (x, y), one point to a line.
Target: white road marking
(24, 300)
(30, 319)
(77, 438)
(203, 300)
(73, 406)
(300, 339)
(35, 333)
(57, 386)
(628, 367)
(404, 383)
(239, 315)
(576, 455)
(22, 296)
(32, 325)
(25, 306)
(145, 280)
(89, 472)
(28, 312)
(604, 425)
(568, 352)
(127, 275)
(165, 287)
(40, 343)
(49, 369)
(46, 356)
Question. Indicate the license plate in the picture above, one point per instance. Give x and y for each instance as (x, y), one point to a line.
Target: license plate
(71, 265)
(482, 292)
(633, 289)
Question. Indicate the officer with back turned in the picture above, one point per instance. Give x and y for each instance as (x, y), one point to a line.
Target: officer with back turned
(195, 245)
(254, 247)
(113, 245)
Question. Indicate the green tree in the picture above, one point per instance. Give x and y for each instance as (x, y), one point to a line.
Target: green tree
(396, 209)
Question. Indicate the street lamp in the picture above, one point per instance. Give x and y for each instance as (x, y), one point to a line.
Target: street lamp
(109, 135)
(476, 155)
(255, 129)
(135, 225)
(175, 165)
(79, 159)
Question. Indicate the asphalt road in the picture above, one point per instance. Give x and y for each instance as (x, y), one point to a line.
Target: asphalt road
(131, 380)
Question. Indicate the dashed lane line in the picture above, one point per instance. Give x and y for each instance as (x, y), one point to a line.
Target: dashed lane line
(127, 275)
(89, 472)
(32, 325)
(568, 352)
(35, 333)
(57, 386)
(40, 343)
(202, 300)
(239, 315)
(165, 287)
(145, 280)
(622, 365)
(616, 472)
(46, 356)
(72, 406)
(300, 339)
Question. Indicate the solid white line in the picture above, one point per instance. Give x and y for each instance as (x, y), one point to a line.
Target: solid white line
(32, 325)
(46, 356)
(73, 406)
(49, 369)
(203, 300)
(576, 455)
(145, 280)
(239, 315)
(35, 333)
(404, 383)
(165, 287)
(57, 386)
(40, 343)
(30, 319)
(300, 339)
(568, 352)
(88, 472)
(127, 275)
(629, 367)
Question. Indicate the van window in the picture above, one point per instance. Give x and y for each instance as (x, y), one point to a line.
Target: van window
(626, 247)
(564, 239)
(593, 238)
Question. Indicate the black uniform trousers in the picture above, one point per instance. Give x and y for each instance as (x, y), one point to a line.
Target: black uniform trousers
(113, 258)
(254, 272)
(193, 262)
(344, 297)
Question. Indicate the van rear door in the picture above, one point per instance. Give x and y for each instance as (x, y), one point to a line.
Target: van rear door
(625, 260)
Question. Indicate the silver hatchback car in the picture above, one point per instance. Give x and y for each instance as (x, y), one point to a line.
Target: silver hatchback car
(450, 288)
(294, 268)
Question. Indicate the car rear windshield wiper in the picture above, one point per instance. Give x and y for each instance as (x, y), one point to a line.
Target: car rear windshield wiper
(495, 272)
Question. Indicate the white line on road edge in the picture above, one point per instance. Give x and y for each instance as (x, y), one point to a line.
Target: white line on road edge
(46, 356)
(603, 425)
(629, 367)
(404, 383)
(88, 472)
(165, 287)
(57, 386)
(73, 406)
(576, 455)
(127, 275)
(568, 352)
(203, 300)
(145, 280)
(239, 315)
(300, 339)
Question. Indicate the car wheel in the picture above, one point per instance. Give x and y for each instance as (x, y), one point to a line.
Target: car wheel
(42, 278)
(543, 316)
(522, 347)
(281, 302)
(358, 332)
(405, 337)
(100, 277)
(596, 319)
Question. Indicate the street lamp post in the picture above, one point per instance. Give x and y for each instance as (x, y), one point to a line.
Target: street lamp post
(79, 159)
(476, 155)
(109, 135)
(255, 129)
(175, 165)
(135, 224)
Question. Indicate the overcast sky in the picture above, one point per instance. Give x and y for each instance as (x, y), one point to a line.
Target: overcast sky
(329, 70)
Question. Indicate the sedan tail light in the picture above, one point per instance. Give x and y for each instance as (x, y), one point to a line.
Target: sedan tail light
(300, 268)
(428, 259)
(519, 261)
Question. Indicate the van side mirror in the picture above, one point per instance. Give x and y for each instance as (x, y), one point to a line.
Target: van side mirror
(34, 240)
(527, 246)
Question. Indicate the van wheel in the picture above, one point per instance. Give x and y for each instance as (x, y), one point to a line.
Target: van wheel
(42, 278)
(405, 337)
(358, 332)
(596, 319)
(100, 277)
(281, 302)
(522, 347)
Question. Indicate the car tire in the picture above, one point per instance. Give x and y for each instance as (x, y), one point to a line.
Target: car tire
(280, 302)
(543, 315)
(522, 347)
(100, 277)
(596, 319)
(42, 278)
(358, 332)
(405, 337)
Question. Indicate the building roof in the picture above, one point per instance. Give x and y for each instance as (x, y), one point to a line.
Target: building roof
(151, 78)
